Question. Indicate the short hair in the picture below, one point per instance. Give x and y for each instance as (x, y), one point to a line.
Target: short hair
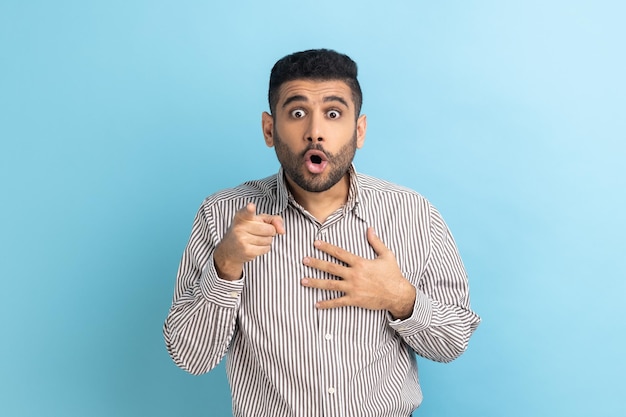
(316, 65)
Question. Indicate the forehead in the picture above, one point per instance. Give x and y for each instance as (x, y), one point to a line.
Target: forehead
(315, 91)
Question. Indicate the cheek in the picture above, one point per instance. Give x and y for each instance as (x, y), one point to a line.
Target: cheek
(342, 131)
(289, 132)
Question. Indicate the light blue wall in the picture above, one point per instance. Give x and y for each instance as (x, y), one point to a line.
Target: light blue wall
(118, 117)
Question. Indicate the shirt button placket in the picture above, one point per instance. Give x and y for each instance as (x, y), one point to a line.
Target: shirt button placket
(329, 356)
(331, 390)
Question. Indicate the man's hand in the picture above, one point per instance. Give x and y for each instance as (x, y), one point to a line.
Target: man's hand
(250, 235)
(375, 284)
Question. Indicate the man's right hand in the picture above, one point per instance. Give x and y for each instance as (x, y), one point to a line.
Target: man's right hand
(250, 235)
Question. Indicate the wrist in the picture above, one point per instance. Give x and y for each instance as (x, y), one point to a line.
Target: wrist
(402, 306)
(226, 268)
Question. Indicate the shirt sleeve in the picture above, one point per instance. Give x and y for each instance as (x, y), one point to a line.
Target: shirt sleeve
(442, 320)
(202, 319)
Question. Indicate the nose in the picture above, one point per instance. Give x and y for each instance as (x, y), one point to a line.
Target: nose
(314, 131)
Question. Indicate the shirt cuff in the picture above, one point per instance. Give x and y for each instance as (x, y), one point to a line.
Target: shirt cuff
(420, 318)
(220, 291)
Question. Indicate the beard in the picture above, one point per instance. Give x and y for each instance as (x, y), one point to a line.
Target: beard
(293, 164)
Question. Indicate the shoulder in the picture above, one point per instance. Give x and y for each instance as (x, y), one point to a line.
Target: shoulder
(398, 204)
(262, 192)
(378, 190)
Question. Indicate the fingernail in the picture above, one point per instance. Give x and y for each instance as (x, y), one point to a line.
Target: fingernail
(317, 243)
(304, 281)
(306, 261)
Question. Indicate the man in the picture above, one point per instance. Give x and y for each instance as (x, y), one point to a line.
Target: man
(318, 283)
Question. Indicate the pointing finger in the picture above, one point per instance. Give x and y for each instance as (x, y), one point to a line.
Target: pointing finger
(275, 221)
(278, 224)
(248, 212)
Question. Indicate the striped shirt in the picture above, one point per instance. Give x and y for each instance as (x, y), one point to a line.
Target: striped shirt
(284, 356)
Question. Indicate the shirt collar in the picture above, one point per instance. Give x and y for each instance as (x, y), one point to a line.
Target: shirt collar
(354, 202)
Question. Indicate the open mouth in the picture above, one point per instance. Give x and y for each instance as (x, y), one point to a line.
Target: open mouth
(315, 161)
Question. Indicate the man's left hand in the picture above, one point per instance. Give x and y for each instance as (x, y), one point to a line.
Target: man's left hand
(374, 284)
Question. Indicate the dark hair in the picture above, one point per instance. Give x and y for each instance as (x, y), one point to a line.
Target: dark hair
(318, 65)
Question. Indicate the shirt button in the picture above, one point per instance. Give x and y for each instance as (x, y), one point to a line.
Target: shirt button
(328, 336)
(233, 294)
(331, 390)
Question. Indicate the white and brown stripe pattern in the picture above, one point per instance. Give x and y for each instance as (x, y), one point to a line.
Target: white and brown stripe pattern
(285, 357)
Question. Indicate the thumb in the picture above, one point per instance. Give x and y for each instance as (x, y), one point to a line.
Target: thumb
(375, 242)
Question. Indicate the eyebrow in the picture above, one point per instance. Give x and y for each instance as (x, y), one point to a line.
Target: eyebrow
(325, 100)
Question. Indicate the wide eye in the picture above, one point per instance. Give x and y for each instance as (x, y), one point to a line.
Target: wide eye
(333, 114)
(298, 113)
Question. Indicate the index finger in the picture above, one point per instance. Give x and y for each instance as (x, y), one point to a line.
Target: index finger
(336, 252)
(247, 212)
(275, 221)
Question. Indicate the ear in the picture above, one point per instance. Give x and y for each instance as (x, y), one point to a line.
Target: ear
(361, 127)
(267, 122)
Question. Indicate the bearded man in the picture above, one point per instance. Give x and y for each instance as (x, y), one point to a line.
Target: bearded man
(319, 284)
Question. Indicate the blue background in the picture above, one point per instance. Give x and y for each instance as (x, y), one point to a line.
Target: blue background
(117, 118)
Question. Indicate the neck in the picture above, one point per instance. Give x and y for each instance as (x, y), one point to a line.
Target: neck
(321, 204)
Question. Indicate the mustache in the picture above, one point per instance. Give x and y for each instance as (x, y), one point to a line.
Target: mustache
(316, 147)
